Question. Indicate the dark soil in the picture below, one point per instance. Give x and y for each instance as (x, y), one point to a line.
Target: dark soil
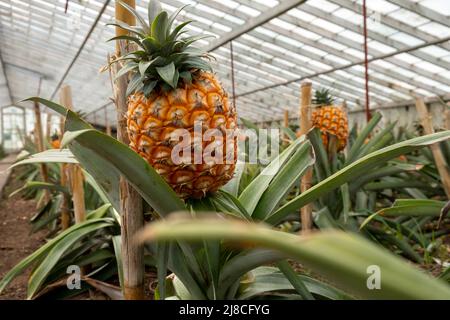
(16, 241)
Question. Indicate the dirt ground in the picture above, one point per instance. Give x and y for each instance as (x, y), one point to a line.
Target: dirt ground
(16, 242)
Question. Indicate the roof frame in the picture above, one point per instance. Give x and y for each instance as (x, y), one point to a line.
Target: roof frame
(327, 48)
(255, 22)
(422, 11)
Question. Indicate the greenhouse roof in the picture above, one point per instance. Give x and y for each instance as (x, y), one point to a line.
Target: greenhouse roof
(274, 42)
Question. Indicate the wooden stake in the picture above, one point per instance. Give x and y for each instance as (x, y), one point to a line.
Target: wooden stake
(447, 119)
(124, 15)
(305, 126)
(107, 124)
(65, 210)
(39, 139)
(48, 129)
(441, 165)
(77, 186)
(75, 175)
(130, 200)
(286, 125)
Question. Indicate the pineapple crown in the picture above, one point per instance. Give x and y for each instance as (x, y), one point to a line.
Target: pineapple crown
(323, 97)
(163, 58)
(55, 136)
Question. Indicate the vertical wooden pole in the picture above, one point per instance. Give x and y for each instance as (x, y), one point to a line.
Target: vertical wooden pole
(447, 119)
(74, 173)
(123, 15)
(77, 186)
(441, 165)
(107, 125)
(65, 210)
(39, 139)
(286, 125)
(305, 126)
(48, 129)
(130, 200)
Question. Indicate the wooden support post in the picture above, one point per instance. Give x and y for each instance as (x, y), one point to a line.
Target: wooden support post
(77, 186)
(65, 100)
(447, 118)
(441, 165)
(305, 126)
(39, 140)
(107, 124)
(74, 173)
(286, 125)
(130, 201)
(48, 129)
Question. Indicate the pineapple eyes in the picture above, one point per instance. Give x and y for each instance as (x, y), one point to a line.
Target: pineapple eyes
(178, 97)
(201, 116)
(197, 98)
(159, 108)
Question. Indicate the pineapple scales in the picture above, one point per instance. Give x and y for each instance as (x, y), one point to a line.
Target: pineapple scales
(172, 87)
(330, 119)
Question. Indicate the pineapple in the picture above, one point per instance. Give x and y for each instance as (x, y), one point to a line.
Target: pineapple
(173, 87)
(330, 119)
(54, 140)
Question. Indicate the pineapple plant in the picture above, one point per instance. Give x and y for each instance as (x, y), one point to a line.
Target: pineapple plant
(173, 87)
(330, 119)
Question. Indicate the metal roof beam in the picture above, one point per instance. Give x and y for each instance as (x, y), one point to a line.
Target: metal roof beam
(422, 11)
(255, 22)
(80, 49)
(348, 25)
(342, 68)
(332, 64)
(8, 87)
(393, 23)
(341, 85)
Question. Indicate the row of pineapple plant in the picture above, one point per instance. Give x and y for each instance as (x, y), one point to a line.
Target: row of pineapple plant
(172, 86)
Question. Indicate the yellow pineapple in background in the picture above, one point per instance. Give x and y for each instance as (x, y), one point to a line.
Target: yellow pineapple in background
(172, 87)
(330, 119)
(55, 141)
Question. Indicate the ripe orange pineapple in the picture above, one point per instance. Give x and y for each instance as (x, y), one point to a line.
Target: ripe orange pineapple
(172, 87)
(55, 142)
(330, 119)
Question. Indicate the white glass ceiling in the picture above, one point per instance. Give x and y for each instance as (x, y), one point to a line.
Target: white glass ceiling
(39, 40)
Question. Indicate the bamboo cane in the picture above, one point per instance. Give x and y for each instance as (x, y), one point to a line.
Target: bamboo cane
(305, 126)
(441, 165)
(130, 201)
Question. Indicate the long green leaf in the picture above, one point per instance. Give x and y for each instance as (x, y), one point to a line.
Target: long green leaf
(285, 179)
(39, 275)
(252, 194)
(362, 136)
(341, 257)
(138, 17)
(296, 282)
(355, 169)
(42, 251)
(270, 280)
(48, 156)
